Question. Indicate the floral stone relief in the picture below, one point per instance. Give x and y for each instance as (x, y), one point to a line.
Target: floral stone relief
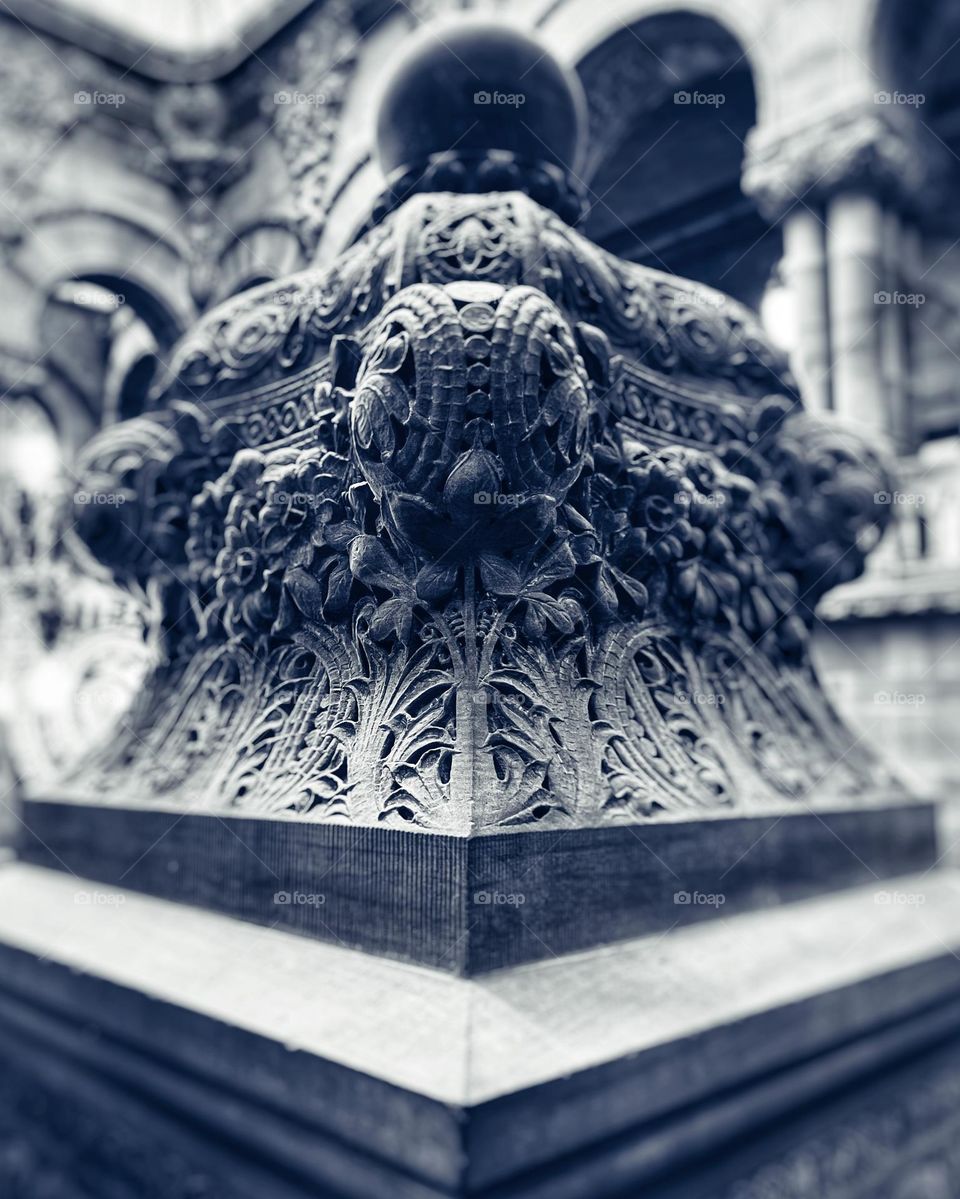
(478, 529)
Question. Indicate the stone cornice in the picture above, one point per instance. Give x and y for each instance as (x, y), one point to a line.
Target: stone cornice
(210, 57)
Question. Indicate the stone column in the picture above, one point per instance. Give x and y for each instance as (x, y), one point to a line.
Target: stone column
(858, 285)
(805, 272)
(856, 168)
(893, 331)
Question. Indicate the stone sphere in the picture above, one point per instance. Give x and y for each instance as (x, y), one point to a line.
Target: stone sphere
(474, 86)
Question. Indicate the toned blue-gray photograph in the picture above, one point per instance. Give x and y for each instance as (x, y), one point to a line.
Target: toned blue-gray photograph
(479, 599)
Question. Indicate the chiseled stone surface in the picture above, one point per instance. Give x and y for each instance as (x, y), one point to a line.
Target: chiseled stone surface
(470, 905)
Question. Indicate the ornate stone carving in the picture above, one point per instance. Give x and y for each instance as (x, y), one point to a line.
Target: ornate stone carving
(481, 528)
(864, 146)
(665, 326)
(313, 73)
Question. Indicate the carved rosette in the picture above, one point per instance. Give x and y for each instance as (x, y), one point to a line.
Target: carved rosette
(485, 529)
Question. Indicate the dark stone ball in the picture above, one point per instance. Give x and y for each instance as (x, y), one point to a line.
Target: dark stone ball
(474, 86)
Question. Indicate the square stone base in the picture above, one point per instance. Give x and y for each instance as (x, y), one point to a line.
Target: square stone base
(179, 1052)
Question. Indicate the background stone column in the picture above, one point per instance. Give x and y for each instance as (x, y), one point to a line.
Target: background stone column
(845, 271)
(856, 264)
(805, 273)
(893, 332)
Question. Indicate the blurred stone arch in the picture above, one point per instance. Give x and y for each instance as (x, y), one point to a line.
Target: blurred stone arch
(673, 91)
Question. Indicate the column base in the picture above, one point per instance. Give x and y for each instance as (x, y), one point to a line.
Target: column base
(470, 905)
(179, 1052)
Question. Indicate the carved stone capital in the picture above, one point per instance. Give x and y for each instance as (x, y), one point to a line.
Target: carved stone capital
(863, 147)
(482, 529)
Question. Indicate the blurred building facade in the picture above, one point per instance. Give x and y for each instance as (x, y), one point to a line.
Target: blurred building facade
(802, 157)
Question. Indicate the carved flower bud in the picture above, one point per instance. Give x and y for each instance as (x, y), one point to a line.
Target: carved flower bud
(473, 481)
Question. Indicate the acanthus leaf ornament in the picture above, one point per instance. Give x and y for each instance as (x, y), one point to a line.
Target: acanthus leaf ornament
(481, 528)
